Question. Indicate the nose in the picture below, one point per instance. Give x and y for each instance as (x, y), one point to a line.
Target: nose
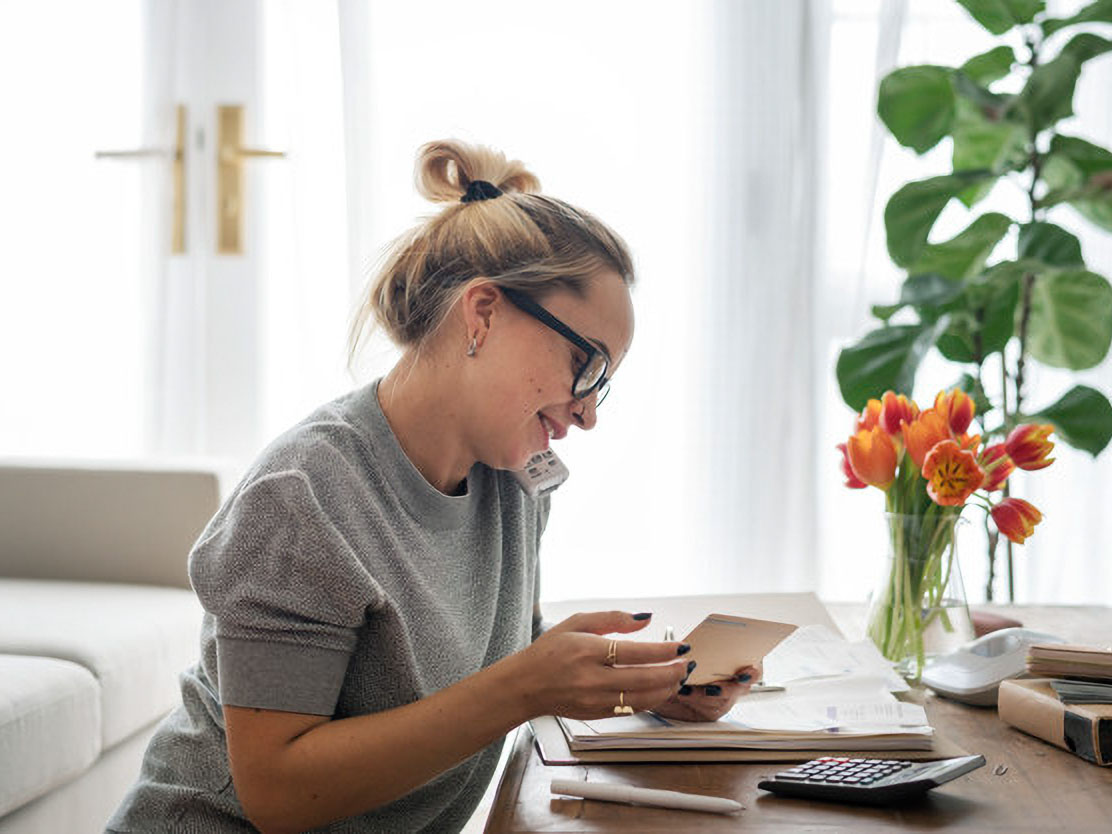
(583, 411)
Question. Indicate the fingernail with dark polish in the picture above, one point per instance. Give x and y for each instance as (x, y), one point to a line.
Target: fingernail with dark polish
(690, 665)
(713, 689)
(684, 648)
(743, 677)
(685, 690)
(643, 616)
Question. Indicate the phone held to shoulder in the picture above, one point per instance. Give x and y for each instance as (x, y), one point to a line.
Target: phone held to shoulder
(542, 474)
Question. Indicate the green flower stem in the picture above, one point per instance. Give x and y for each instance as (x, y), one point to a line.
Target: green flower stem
(911, 600)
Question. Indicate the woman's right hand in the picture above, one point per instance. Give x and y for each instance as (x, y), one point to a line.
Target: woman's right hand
(564, 672)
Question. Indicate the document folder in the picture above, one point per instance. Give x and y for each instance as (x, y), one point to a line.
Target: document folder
(1033, 707)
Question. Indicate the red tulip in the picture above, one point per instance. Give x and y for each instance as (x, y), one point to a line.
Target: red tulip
(952, 474)
(997, 465)
(895, 410)
(1016, 518)
(1028, 445)
(873, 457)
(852, 481)
(957, 407)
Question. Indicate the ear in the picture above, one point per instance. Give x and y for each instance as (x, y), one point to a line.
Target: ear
(478, 304)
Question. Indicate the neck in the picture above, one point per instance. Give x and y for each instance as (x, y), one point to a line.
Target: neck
(424, 416)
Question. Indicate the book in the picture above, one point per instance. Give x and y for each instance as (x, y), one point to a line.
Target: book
(1082, 692)
(1031, 705)
(1070, 661)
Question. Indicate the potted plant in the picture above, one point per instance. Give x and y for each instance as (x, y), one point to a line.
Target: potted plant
(1038, 302)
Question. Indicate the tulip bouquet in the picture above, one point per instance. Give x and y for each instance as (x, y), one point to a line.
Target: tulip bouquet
(930, 469)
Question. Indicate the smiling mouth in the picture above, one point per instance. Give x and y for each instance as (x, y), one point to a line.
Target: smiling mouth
(554, 431)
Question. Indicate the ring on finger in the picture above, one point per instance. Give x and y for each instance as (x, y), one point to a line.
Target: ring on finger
(623, 708)
(611, 654)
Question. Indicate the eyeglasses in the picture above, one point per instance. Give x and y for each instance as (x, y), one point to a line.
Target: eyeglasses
(592, 376)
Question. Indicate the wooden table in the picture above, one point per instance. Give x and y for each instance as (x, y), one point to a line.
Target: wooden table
(1027, 785)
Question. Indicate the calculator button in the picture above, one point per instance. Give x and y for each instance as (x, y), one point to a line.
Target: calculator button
(835, 778)
(791, 777)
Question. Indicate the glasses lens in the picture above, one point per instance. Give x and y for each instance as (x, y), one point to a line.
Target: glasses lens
(602, 392)
(590, 374)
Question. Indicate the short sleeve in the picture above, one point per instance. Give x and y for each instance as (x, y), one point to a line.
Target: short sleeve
(543, 508)
(287, 594)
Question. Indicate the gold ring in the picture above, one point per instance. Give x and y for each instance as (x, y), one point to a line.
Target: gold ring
(623, 708)
(612, 654)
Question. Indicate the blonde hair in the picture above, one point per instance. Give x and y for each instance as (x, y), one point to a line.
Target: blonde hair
(521, 239)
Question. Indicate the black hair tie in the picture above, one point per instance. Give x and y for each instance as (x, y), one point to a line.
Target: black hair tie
(480, 190)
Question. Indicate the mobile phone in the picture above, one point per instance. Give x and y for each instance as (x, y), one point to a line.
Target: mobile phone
(542, 474)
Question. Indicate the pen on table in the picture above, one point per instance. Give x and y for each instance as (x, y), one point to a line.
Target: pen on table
(645, 796)
(766, 687)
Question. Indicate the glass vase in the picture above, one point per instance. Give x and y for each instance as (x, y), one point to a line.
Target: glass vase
(918, 609)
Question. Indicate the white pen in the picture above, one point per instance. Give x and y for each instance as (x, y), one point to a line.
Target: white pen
(645, 796)
(669, 634)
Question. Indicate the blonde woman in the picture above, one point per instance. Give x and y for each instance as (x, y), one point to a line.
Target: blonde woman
(371, 630)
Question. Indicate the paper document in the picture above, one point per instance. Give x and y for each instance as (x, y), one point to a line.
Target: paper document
(817, 652)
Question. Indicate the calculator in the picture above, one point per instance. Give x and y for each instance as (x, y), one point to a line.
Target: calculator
(870, 781)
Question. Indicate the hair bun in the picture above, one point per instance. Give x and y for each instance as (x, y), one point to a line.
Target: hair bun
(446, 168)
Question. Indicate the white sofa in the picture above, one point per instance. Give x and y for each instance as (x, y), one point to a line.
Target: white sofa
(96, 622)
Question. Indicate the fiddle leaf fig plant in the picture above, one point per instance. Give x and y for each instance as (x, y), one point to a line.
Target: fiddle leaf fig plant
(981, 307)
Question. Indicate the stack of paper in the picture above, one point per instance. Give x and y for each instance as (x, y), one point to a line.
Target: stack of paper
(859, 714)
(837, 696)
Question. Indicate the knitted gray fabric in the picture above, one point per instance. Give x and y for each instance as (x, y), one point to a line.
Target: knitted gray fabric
(337, 581)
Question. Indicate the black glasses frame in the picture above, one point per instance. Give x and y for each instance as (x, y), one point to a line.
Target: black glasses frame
(528, 305)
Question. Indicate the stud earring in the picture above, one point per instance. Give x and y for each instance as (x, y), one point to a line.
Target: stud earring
(471, 347)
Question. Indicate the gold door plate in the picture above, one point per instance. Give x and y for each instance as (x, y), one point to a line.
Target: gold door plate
(230, 156)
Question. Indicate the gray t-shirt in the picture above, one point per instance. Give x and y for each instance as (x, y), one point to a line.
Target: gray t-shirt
(337, 581)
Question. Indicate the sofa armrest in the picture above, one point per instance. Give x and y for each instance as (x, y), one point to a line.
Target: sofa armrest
(109, 522)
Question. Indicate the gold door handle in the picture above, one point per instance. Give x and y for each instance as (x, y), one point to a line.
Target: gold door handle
(177, 156)
(230, 156)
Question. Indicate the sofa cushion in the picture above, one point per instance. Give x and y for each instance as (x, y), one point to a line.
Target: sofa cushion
(134, 639)
(49, 725)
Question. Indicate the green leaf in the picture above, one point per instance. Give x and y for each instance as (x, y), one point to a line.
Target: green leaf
(1082, 418)
(917, 105)
(911, 211)
(1071, 319)
(986, 313)
(886, 358)
(990, 66)
(1048, 94)
(965, 254)
(980, 142)
(998, 16)
(1080, 173)
(1100, 11)
(1050, 244)
(886, 311)
(929, 290)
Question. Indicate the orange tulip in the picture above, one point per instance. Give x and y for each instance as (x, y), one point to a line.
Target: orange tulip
(952, 474)
(895, 410)
(872, 456)
(852, 481)
(921, 435)
(1028, 446)
(970, 444)
(1016, 518)
(957, 407)
(869, 416)
(998, 467)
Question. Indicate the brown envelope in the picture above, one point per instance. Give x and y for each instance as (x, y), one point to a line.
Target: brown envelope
(722, 644)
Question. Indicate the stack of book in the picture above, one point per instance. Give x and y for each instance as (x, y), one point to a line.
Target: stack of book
(1068, 703)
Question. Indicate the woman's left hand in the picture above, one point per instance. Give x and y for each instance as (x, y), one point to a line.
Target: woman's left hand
(711, 701)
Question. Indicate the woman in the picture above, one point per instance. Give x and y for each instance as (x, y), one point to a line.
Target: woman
(371, 630)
